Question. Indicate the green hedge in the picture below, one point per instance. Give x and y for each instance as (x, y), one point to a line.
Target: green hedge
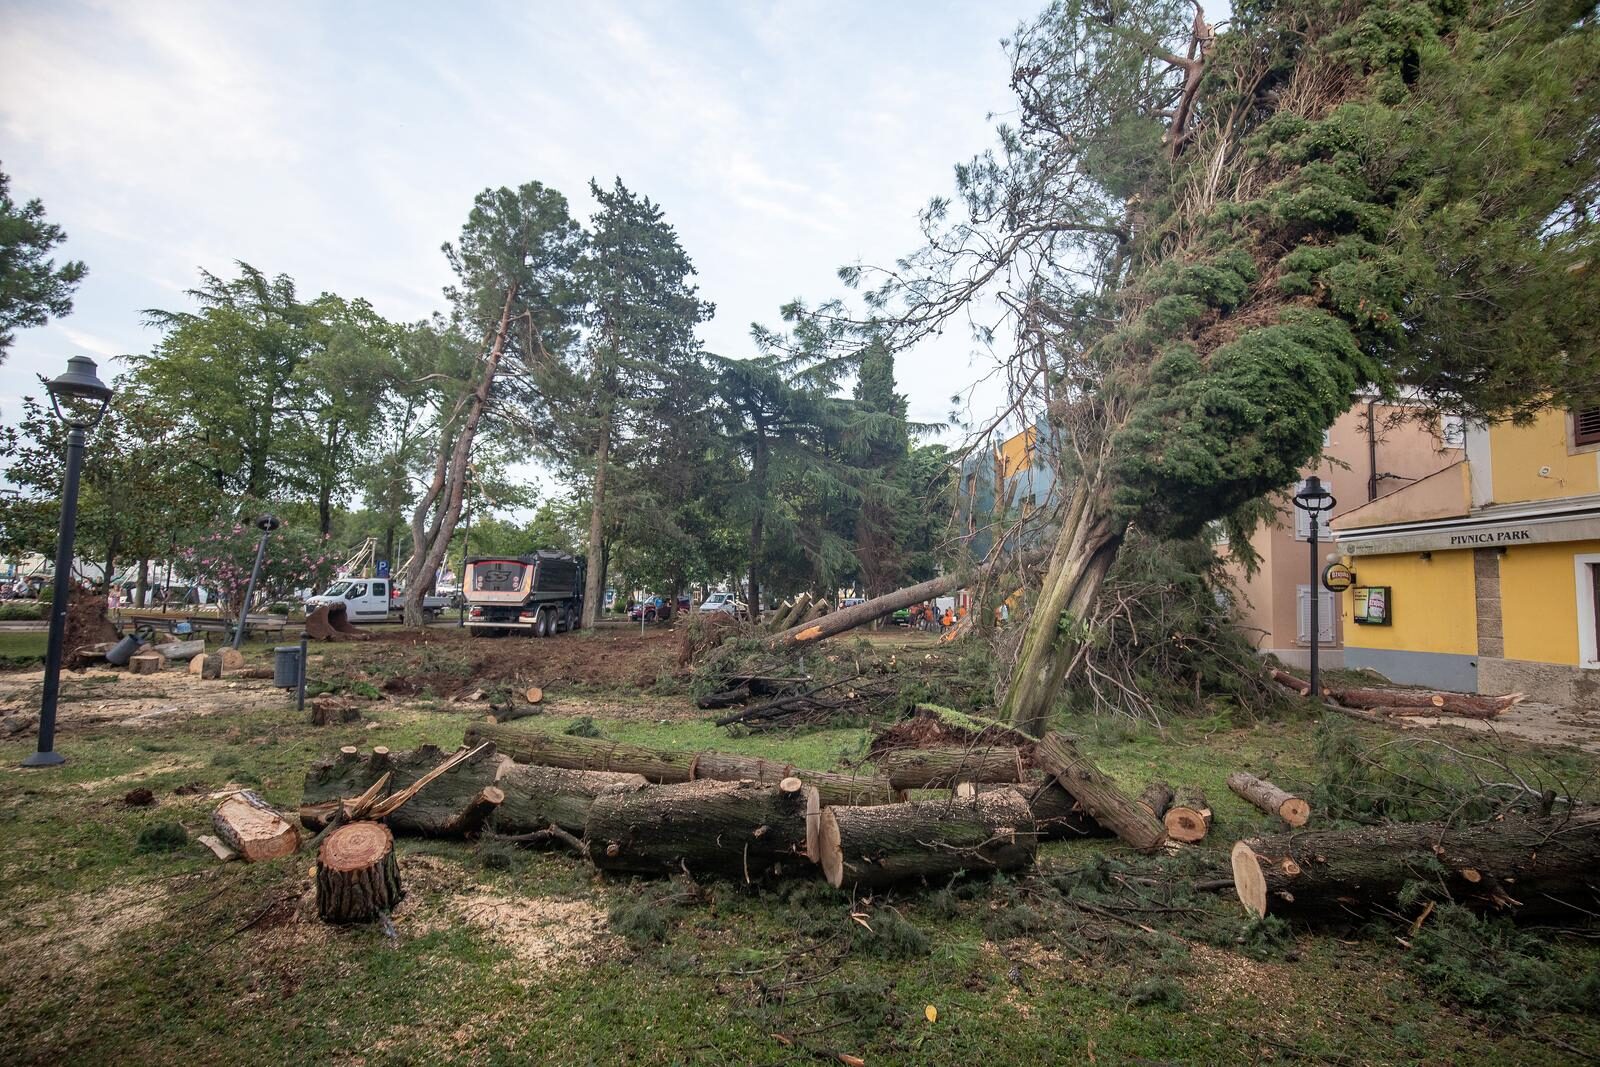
(26, 610)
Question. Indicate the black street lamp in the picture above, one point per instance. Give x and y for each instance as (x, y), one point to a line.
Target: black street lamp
(80, 400)
(266, 524)
(1314, 500)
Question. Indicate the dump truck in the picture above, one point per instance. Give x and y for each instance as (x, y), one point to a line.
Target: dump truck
(540, 594)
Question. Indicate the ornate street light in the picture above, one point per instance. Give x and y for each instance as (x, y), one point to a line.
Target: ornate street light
(1313, 499)
(266, 524)
(79, 399)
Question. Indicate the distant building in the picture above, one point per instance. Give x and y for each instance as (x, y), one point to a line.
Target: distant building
(1485, 577)
(1374, 451)
(1005, 484)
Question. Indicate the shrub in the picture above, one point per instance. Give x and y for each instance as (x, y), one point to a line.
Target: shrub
(162, 837)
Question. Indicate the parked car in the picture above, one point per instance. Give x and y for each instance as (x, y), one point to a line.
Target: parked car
(901, 617)
(726, 603)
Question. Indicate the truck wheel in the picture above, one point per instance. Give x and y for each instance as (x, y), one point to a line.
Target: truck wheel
(543, 626)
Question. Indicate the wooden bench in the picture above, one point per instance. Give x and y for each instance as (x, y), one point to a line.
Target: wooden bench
(272, 625)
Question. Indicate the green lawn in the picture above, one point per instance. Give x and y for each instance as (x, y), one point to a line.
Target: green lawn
(117, 955)
(22, 648)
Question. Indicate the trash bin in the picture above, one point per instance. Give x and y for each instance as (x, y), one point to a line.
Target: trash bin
(286, 666)
(122, 652)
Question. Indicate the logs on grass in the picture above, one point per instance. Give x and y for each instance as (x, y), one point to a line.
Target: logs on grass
(1299, 685)
(1521, 866)
(1269, 798)
(832, 787)
(1465, 705)
(146, 663)
(1189, 817)
(861, 848)
(1156, 799)
(936, 768)
(1098, 795)
(502, 713)
(455, 804)
(742, 830)
(358, 878)
(253, 828)
(332, 710)
(1057, 814)
(584, 753)
(208, 667)
(183, 650)
(536, 797)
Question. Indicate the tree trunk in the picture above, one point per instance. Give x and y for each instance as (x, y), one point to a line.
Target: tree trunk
(934, 768)
(142, 585)
(1466, 705)
(1085, 550)
(253, 828)
(832, 787)
(1189, 818)
(358, 878)
(1056, 813)
(1156, 799)
(838, 622)
(593, 591)
(455, 804)
(428, 545)
(1269, 798)
(1517, 865)
(584, 753)
(863, 848)
(1099, 797)
(537, 797)
(742, 830)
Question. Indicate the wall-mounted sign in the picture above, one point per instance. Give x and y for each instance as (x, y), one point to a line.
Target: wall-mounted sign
(1336, 577)
(1370, 605)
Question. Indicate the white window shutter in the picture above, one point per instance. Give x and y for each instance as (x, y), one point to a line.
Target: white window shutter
(1302, 614)
(1326, 606)
(1302, 520)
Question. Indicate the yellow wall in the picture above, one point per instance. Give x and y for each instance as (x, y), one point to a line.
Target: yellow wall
(1432, 602)
(1519, 452)
(1015, 453)
(1539, 601)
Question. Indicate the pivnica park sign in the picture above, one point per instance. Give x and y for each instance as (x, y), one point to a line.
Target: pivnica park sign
(1477, 538)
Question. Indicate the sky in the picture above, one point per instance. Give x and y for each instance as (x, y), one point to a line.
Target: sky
(343, 143)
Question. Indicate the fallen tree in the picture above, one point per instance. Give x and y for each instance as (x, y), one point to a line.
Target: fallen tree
(1417, 702)
(741, 830)
(660, 766)
(933, 768)
(454, 803)
(832, 787)
(863, 848)
(1517, 865)
(538, 797)
(1097, 795)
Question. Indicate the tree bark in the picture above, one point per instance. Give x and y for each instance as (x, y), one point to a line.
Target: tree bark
(456, 804)
(358, 878)
(593, 591)
(1098, 795)
(934, 768)
(1269, 798)
(1520, 866)
(1057, 814)
(1189, 818)
(1084, 552)
(1156, 799)
(536, 797)
(863, 848)
(832, 787)
(584, 753)
(742, 830)
(1466, 705)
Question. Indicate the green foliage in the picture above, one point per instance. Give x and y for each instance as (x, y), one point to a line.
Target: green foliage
(162, 837)
(1496, 971)
(891, 936)
(1157, 991)
(20, 612)
(32, 287)
(583, 726)
(642, 921)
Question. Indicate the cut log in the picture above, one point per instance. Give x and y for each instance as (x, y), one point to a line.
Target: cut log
(455, 804)
(1299, 685)
(206, 666)
(832, 787)
(1189, 817)
(724, 698)
(1518, 866)
(537, 797)
(232, 659)
(358, 878)
(176, 650)
(741, 830)
(1248, 881)
(942, 768)
(862, 848)
(332, 710)
(254, 672)
(1098, 795)
(1156, 799)
(1269, 798)
(1465, 705)
(534, 695)
(1057, 814)
(146, 663)
(584, 753)
(511, 713)
(17, 723)
(253, 828)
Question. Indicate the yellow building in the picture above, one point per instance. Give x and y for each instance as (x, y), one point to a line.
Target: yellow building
(1485, 576)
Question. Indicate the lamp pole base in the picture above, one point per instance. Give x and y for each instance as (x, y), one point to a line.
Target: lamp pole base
(45, 759)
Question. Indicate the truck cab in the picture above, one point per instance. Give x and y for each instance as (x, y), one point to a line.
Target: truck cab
(365, 599)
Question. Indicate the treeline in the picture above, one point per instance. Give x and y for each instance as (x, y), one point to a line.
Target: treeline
(565, 347)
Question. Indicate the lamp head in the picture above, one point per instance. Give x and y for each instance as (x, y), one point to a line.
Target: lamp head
(1313, 498)
(86, 397)
(267, 523)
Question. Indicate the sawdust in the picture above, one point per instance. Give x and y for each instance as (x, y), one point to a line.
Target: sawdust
(1226, 977)
(83, 927)
(541, 931)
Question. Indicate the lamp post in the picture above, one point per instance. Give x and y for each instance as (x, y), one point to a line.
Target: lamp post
(266, 524)
(79, 399)
(1313, 499)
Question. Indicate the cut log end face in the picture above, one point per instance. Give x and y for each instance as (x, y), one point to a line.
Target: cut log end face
(1248, 881)
(355, 846)
(830, 854)
(1187, 825)
(1294, 811)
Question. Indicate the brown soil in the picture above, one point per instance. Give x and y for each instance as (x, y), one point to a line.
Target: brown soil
(924, 730)
(87, 623)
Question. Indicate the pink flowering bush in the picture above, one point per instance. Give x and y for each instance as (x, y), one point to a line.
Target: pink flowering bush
(221, 557)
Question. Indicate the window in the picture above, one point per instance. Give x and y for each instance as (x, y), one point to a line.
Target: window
(1325, 615)
(380, 588)
(356, 591)
(1586, 426)
(1588, 575)
(1302, 519)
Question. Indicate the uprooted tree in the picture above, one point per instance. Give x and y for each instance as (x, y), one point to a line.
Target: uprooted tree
(1204, 243)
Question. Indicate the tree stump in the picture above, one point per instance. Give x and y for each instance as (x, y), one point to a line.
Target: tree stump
(146, 663)
(358, 878)
(332, 710)
(1189, 818)
(1269, 798)
(884, 844)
